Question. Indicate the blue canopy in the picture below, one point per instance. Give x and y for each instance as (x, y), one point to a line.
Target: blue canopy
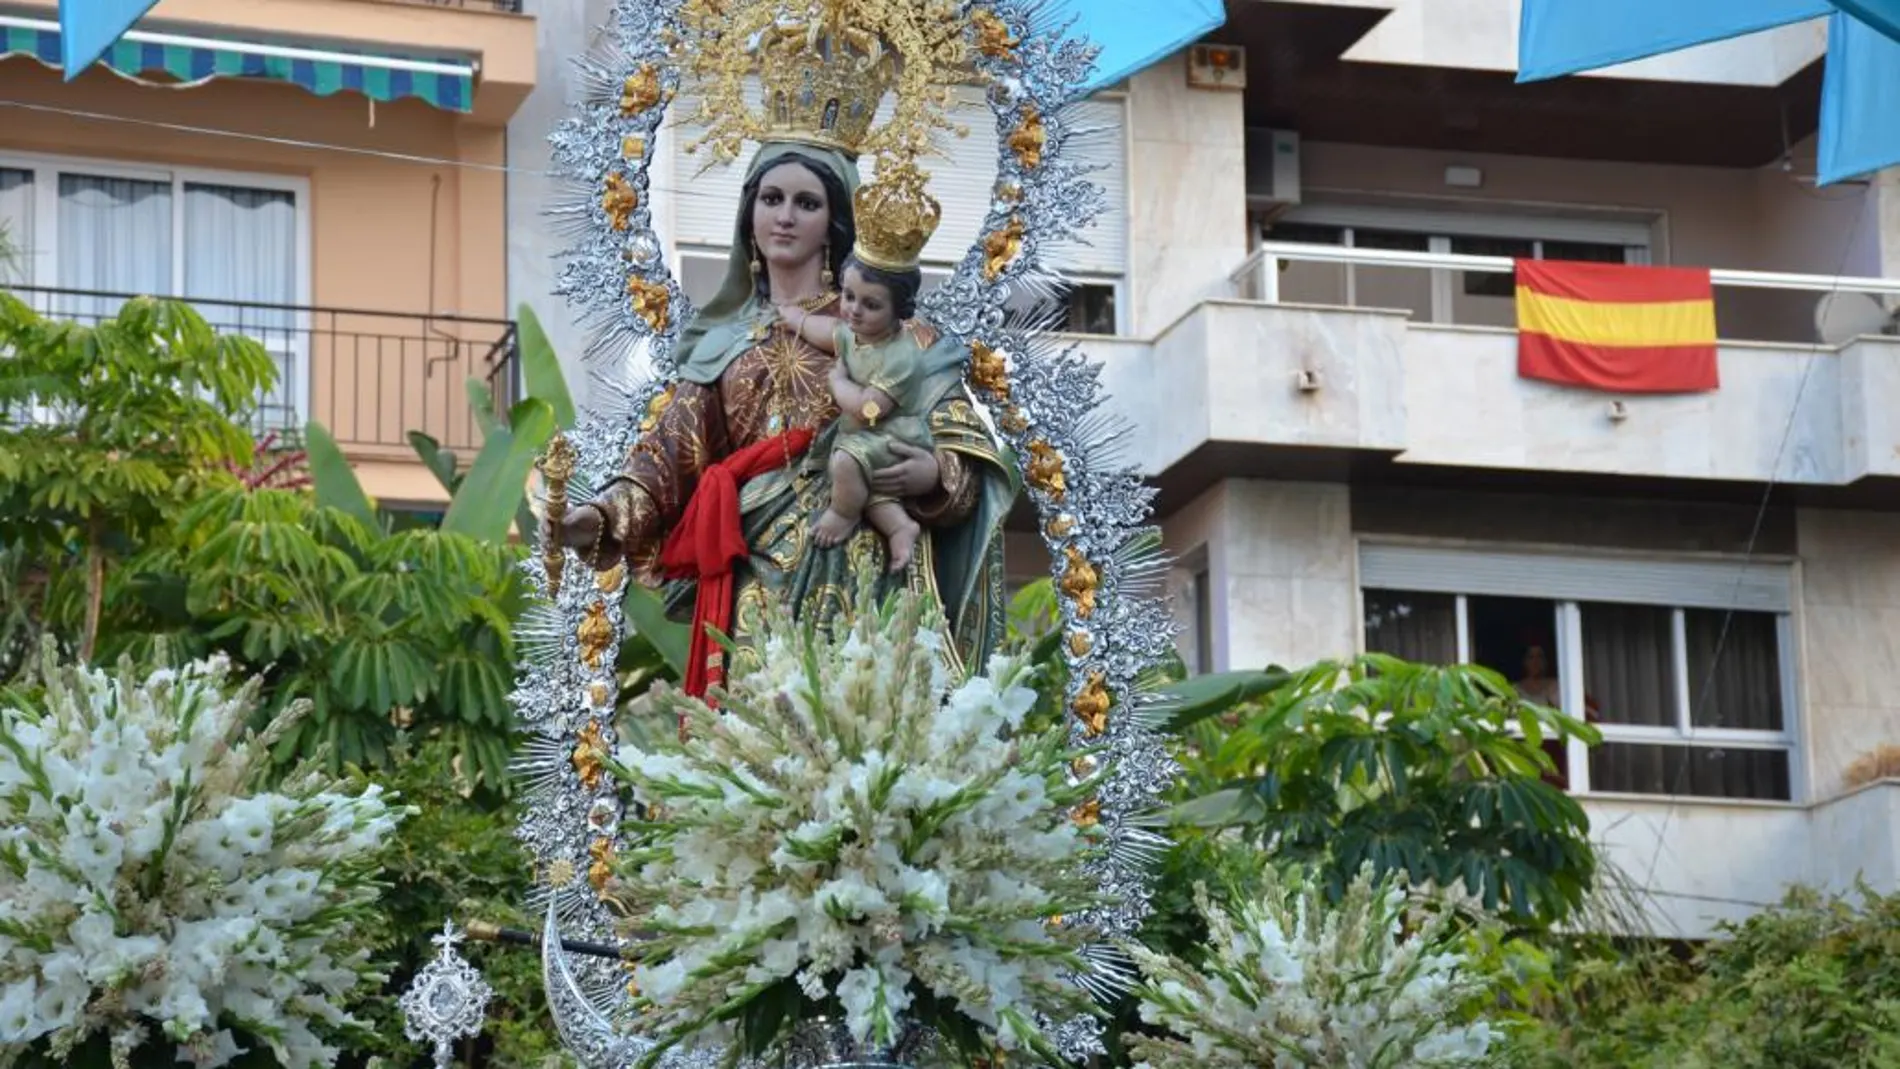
(88, 27)
(1860, 93)
(1136, 34)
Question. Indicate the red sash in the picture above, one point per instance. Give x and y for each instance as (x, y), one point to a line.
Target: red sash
(710, 539)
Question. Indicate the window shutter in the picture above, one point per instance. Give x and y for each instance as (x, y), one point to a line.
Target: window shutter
(1756, 586)
(1105, 146)
(705, 202)
(962, 178)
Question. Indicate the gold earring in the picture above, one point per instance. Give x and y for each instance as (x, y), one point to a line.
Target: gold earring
(825, 276)
(757, 267)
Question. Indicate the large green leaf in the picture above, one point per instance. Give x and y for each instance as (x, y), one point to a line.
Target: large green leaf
(481, 401)
(442, 463)
(541, 368)
(484, 508)
(331, 476)
(645, 613)
(1198, 697)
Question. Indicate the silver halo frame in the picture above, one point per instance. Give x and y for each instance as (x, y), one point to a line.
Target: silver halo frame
(1102, 514)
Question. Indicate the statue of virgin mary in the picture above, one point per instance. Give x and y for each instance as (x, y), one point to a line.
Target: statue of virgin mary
(720, 492)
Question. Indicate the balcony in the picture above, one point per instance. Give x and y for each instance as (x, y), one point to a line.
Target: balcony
(1697, 866)
(1258, 380)
(369, 377)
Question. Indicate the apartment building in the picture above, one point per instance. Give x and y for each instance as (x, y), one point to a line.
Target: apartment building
(1323, 362)
(325, 175)
(1301, 293)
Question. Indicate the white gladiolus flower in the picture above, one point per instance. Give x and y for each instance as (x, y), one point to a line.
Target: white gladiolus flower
(843, 832)
(202, 904)
(1294, 982)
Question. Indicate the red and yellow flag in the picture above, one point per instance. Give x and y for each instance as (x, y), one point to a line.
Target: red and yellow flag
(1616, 327)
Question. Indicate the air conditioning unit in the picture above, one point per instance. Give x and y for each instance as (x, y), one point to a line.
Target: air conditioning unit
(1273, 170)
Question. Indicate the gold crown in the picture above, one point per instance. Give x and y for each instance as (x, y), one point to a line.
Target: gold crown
(823, 92)
(825, 66)
(895, 215)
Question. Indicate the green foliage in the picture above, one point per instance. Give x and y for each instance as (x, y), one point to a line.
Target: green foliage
(489, 498)
(332, 478)
(541, 371)
(137, 416)
(1435, 772)
(141, 409)
(375, 629)
(1812, 984)
(458, 858)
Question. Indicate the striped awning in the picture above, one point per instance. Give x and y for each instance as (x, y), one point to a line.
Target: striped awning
(446, 83)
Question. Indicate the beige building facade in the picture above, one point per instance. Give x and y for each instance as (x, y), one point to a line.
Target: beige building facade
(362, 240)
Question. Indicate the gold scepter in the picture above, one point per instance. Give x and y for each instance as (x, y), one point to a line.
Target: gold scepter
(557, 467)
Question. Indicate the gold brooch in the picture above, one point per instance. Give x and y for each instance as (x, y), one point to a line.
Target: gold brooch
(1001, 246)
(619, 200)
(1046, 471)
(1091, 706)
(1079, 582)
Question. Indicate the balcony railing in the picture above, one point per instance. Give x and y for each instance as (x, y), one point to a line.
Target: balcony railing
(369, 377)
(1464, 290)
(512, 7)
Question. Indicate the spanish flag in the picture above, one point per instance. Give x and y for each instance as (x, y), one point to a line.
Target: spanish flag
(1616, 327)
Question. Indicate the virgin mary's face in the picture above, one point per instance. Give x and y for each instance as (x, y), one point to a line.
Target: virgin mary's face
(790, 217)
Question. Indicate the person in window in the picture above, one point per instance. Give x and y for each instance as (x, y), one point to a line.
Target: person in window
(1539, 684)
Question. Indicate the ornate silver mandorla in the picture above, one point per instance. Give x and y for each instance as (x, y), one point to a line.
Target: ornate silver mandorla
(590, 1033)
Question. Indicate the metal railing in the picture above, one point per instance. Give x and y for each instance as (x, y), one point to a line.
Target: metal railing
(369, 377)
(1258, 278)
(512, 7)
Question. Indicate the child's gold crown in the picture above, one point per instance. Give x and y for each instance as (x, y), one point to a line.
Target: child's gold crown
(896, 215)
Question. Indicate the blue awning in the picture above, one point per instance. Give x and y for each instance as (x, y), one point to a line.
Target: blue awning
(444, 82)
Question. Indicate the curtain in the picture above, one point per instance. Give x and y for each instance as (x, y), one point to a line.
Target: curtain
(240, 245)
(115, 236)
(1629, 663)
(1693, 771)
(16, 224)
(1629, 672)
(1741, 689)
(1415, 627)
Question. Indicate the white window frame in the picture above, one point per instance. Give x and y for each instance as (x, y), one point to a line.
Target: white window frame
(41, 263)
(1438, 227)
(1568, 623)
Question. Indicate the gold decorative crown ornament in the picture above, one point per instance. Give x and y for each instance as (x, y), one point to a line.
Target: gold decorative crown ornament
(895, 216)
(823, 92)
(825, 67)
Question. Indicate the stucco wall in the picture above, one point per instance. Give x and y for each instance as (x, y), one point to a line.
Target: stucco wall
(386, 235)
(1187, 194)
(1850, 607)
(1281, 568)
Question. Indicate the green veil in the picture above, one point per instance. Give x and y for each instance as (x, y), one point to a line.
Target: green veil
(722, 329)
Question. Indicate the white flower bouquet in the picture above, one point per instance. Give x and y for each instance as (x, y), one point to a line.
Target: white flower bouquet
(1293, 982)
(147, 881)
(851, 838)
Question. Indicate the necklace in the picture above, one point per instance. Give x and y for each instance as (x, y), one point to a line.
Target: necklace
(815, 301)
(772, 318)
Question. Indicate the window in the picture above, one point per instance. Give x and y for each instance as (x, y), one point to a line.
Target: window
(1203, 622)
(1692, 699)
(1498, 284)
(1484, 298)
(90, 234)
